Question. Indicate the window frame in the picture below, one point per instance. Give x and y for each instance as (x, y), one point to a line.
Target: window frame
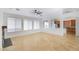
(38, 27)
(28, 25)
(46, 26)
(15, 29)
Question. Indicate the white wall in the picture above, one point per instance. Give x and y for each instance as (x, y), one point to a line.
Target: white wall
(77, 27)
(1, 22)
(77, 24)
(6, 14)
(14, 34)
(53, 30)
(21, 33)
(24, 13)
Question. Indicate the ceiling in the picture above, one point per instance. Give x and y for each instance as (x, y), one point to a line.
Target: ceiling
(47, 13)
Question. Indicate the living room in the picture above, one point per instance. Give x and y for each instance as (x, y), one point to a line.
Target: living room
(28, 28)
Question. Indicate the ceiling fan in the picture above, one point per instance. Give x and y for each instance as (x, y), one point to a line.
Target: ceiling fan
(37, 12)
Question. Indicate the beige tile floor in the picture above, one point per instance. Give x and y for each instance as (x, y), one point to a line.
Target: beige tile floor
(44, 42)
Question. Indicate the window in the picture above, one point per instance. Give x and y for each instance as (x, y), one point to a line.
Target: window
(27, 25)
(18, 24)
(46, 24)
(14, 24)
(11, 24)
(36, 24)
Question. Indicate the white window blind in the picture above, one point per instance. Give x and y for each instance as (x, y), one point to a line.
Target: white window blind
(14, 24)
(27, 24)
(11, 24)
(46, 24)
(36, 24)
(18, 24)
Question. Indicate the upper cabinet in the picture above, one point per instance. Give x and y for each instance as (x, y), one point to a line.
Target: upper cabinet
(70, 26)
(69, 23)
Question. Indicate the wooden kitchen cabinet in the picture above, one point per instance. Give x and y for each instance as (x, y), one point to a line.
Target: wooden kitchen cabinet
(73, 23)
(69, 23)
(70, 30)
(66, 24)
(70, 26)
